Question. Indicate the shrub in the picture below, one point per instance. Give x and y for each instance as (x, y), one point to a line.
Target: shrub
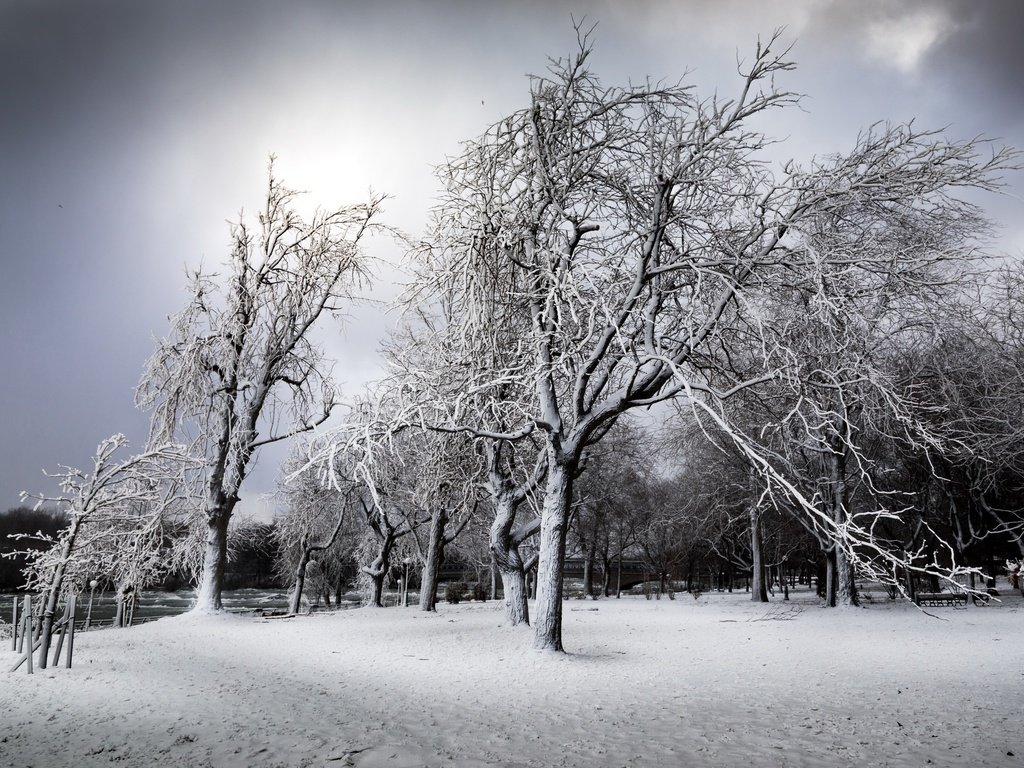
(455, 592)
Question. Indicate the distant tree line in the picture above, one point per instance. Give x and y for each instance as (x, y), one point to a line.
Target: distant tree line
(36, 529)
(252, 565)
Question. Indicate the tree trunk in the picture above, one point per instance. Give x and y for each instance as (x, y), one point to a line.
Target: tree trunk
(493, 571)
(845, 586)
(432, 568)
(208, 597)
(387, 537)
(378, 571)
(588, 575)
(53, 592)
(46, 630)
(123, 596)
(514, 589)
(300, 578)
(377, 596)
(507, 558)
(554, 522)
(830, 578)
(758, 589)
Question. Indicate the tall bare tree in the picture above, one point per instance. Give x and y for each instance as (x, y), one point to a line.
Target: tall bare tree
(634, 228)
(240, 368)
(611, 209)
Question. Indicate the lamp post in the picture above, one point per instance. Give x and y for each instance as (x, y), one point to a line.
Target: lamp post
(405, 582)
(92, 591)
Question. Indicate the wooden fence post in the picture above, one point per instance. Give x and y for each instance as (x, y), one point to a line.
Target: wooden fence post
(39, 625)
(25, 631)
(29, 648)
(14, 626)
(71, 630)
(61, 627)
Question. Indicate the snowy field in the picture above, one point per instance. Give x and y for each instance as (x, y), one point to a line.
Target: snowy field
(714, 682)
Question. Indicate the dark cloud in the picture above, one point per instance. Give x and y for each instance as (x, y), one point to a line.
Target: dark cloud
(983, 59)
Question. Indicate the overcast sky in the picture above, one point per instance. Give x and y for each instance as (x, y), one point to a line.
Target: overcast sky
(132, 131)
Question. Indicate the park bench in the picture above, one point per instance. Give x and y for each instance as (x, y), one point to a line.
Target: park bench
(937, 599)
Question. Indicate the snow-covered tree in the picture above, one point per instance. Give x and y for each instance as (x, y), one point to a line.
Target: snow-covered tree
(443, 491)
(116, 524)
(634, 228)
(315, 523)
(511, 485)
(240, 368)
(970, 377)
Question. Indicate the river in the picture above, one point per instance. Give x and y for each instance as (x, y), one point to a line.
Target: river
(154, 605)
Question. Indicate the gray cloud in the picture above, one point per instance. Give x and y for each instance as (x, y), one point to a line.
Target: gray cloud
(133, 130)
(984, 59)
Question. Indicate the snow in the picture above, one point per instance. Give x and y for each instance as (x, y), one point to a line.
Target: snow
(718, 681)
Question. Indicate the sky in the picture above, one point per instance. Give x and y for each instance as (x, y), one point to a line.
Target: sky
(132, 132)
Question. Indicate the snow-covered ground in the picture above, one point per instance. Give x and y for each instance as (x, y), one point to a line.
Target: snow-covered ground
(718, 681)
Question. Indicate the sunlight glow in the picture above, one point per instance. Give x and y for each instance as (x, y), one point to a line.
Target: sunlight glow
(904, 42)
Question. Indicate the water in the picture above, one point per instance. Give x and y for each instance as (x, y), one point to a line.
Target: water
(155, 605)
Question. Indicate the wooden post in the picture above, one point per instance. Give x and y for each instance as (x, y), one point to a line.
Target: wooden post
(39, 625)
(62, 629)
(28, 644)
(71, 629)
(14, 626)
(28, 633)
(53, 626)
(23, 631)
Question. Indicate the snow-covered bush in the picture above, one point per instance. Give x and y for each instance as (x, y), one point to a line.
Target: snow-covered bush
(455, 592)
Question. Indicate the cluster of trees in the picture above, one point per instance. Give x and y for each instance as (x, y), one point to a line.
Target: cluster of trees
(837, 357)
(610, 249)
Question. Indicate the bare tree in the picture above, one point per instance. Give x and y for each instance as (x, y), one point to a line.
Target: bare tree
(440, 487)
(509, 491)
(310, 523)
(386, 527)
(635, 230)
(621, 212)
(450, 378)
(869, 271)
(115, 515)
(240, 368)
(969, 378)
